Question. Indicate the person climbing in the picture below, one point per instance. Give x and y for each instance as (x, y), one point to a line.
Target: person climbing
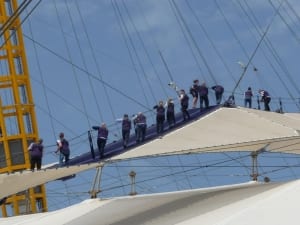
(219, 90)
(248, 97)
(141, 127)
(126, 127)
(265, 98)
(36, 153)
(184, 101)
(101, 138)
(63, 149)
(194, 91)
(160, 117)
(170, 112)
(203, 93)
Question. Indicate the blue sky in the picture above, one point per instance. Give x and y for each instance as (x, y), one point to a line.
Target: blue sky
(68, 94)
(92, 61)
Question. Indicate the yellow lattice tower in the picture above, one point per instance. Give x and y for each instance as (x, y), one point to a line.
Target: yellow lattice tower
(17, 115)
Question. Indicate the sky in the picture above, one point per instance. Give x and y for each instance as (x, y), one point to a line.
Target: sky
(92, 61)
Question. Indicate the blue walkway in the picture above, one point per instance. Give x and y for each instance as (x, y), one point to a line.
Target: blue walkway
(116, 147)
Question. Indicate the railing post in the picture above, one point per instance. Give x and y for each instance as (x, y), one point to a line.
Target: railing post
(132, 175)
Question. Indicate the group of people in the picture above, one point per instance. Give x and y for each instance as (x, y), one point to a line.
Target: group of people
(140, 125)
(201, 91)
(36, 152)
(264, 97)
(163, 112)
(198, 92)
(167, 111)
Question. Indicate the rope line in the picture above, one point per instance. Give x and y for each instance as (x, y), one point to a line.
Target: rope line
(75, 74)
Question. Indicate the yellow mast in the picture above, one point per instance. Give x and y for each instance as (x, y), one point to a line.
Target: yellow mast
(17, 115)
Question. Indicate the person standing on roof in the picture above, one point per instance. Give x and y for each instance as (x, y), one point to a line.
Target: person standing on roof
(141, 124)
(101, 138)
(36, 153)
(170, 112)
(265, 98)
(160, 117)
(203, 93)
(194, 91)
(248, 98)
(219, 90)
(184, 101)
(126, 127)
(63, 149)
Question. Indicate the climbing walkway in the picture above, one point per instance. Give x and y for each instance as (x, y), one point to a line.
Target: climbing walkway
(116, 147)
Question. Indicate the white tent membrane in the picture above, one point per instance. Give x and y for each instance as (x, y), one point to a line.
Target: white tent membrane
(227, 129)
(20, 181)
(242, 204)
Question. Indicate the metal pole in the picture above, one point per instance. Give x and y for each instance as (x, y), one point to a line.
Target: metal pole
(132, 175)
(95, 189)
(254, 174)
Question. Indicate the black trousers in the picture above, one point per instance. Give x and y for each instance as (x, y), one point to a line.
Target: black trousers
(160, 124)
(185, 112)
(266, 103)
(35, 161)
(101, 144)
(125, 135)
(204, 99)
(171, 118)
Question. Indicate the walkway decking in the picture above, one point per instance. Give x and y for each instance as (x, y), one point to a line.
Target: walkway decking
(116, 147)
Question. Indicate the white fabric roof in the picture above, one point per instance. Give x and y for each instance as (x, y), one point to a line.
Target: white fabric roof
(19, 181)
(243, 204)
(228, 129)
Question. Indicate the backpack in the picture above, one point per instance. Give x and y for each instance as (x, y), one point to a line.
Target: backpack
(65, 147)
(193, 91)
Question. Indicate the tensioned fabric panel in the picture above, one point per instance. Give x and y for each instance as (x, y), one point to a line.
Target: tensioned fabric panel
(15, 182)
(270, 203)
(227, 129)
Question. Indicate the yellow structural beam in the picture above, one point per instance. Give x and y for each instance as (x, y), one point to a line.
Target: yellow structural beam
(17, 113)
